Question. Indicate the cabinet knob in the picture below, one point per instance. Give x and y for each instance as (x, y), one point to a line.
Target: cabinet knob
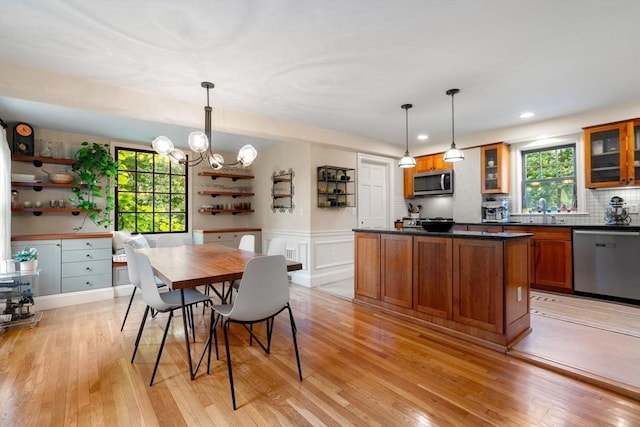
(88, 244)
(88, 284)
(88, 255)
(88, 268)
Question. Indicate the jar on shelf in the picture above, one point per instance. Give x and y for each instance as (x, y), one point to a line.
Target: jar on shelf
(15, 199)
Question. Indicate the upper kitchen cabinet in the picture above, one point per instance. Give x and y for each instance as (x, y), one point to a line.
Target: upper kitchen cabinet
(430, 163)
(495, 168)
(612, 154)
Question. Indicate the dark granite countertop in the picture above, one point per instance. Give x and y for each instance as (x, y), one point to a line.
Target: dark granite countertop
(452, 234)
(629, 227)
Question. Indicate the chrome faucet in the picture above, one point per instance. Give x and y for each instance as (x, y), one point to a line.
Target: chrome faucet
(542, 204)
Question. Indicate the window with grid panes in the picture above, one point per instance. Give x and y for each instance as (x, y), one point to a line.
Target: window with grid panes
(549, 173)
(151, 193)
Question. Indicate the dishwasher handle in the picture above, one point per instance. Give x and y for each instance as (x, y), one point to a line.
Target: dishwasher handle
(605, 245)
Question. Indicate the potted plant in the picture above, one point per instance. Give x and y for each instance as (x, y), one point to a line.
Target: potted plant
(28, 259)
(96, 170)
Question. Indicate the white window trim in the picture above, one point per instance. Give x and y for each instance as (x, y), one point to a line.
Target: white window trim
(516, 166)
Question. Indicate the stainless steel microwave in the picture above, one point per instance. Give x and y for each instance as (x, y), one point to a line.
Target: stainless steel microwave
(433, 183)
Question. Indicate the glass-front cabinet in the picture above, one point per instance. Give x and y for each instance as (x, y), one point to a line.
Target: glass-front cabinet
(612, 154)
(495, 168)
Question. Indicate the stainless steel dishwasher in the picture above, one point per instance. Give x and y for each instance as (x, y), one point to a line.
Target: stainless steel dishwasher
(607, 262)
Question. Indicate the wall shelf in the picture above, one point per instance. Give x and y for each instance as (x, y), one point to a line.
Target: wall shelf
(225, 211)
(233, 194)
(38, 161)
(336, 187)
(232, 176)
(282, 191)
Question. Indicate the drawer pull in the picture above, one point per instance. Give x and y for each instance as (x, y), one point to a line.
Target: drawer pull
(88, 268)
(88, 255)
(88, 244)
(88, 284)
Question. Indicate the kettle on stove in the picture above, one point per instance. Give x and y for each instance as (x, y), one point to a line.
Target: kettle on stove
(617, 213)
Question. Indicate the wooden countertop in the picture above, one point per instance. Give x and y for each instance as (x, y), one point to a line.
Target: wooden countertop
(60, 236)
(228, 230)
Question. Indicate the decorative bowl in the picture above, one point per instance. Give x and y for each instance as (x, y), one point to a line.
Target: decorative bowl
(60, 178)
(441, 225)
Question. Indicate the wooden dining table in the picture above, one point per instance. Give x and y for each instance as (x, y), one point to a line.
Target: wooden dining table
(183, 267)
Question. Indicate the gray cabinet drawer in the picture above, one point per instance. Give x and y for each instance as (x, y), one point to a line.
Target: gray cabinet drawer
(86, 268)
(86, 255)
(77, 244)
(85, 283)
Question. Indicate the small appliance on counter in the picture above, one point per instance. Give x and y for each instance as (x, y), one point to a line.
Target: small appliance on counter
(617, 213)
(496, 209)
(412, 222)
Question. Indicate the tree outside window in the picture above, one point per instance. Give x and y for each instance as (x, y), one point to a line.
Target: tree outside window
(151, 193)
(550, 174)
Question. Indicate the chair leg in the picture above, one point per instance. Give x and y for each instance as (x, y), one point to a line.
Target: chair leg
(226, 346)
(144, 319)
(164, 338)
(212, 331)
(128, 308)
(295, 341)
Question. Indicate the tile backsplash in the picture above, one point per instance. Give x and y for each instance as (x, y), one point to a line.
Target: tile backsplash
(593, 211)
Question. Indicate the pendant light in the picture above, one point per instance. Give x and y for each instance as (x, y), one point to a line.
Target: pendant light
(453, 154)
(407, 161)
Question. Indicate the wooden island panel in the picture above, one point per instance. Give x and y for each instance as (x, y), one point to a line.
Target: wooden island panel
(433, 276)
(367, 265)
(478, 284)
(395, 269)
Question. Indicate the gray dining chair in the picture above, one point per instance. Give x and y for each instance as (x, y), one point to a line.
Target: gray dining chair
(134, 278)
(263, 294)
(165, 302)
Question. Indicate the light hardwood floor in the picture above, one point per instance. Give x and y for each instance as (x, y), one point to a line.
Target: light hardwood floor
(360, 367)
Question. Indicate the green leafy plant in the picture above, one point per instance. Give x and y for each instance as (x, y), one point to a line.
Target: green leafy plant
(27, 254)
(96, 170)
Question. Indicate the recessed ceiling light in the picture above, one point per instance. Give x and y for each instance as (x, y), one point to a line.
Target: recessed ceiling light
(423, 137)
(527, 114)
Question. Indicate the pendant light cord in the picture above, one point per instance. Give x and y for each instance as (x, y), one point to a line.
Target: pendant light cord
(406, 133)
(453, 135)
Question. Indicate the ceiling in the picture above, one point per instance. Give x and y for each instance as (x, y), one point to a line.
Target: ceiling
(346, 65)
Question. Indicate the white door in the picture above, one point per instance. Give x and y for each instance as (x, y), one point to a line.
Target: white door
(374, 186)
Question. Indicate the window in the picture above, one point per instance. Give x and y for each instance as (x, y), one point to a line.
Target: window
(549, 173)
(151, 193)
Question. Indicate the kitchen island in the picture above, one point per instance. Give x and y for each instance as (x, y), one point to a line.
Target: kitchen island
(469, 284)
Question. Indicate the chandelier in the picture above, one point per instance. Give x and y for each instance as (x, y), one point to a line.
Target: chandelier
(200, 142)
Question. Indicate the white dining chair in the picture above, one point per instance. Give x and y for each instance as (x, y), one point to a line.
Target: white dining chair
(247, 243)
(162, 303)
(134, 279)
(263, 294)
(277, 246)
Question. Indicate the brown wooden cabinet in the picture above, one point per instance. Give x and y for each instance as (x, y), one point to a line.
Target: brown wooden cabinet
(611, 152)
(487, 228)
(433, 276)
(432, 162)
(395, 269)
(367, 265)
(472, 287)
(551, 257)
(495, 166)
